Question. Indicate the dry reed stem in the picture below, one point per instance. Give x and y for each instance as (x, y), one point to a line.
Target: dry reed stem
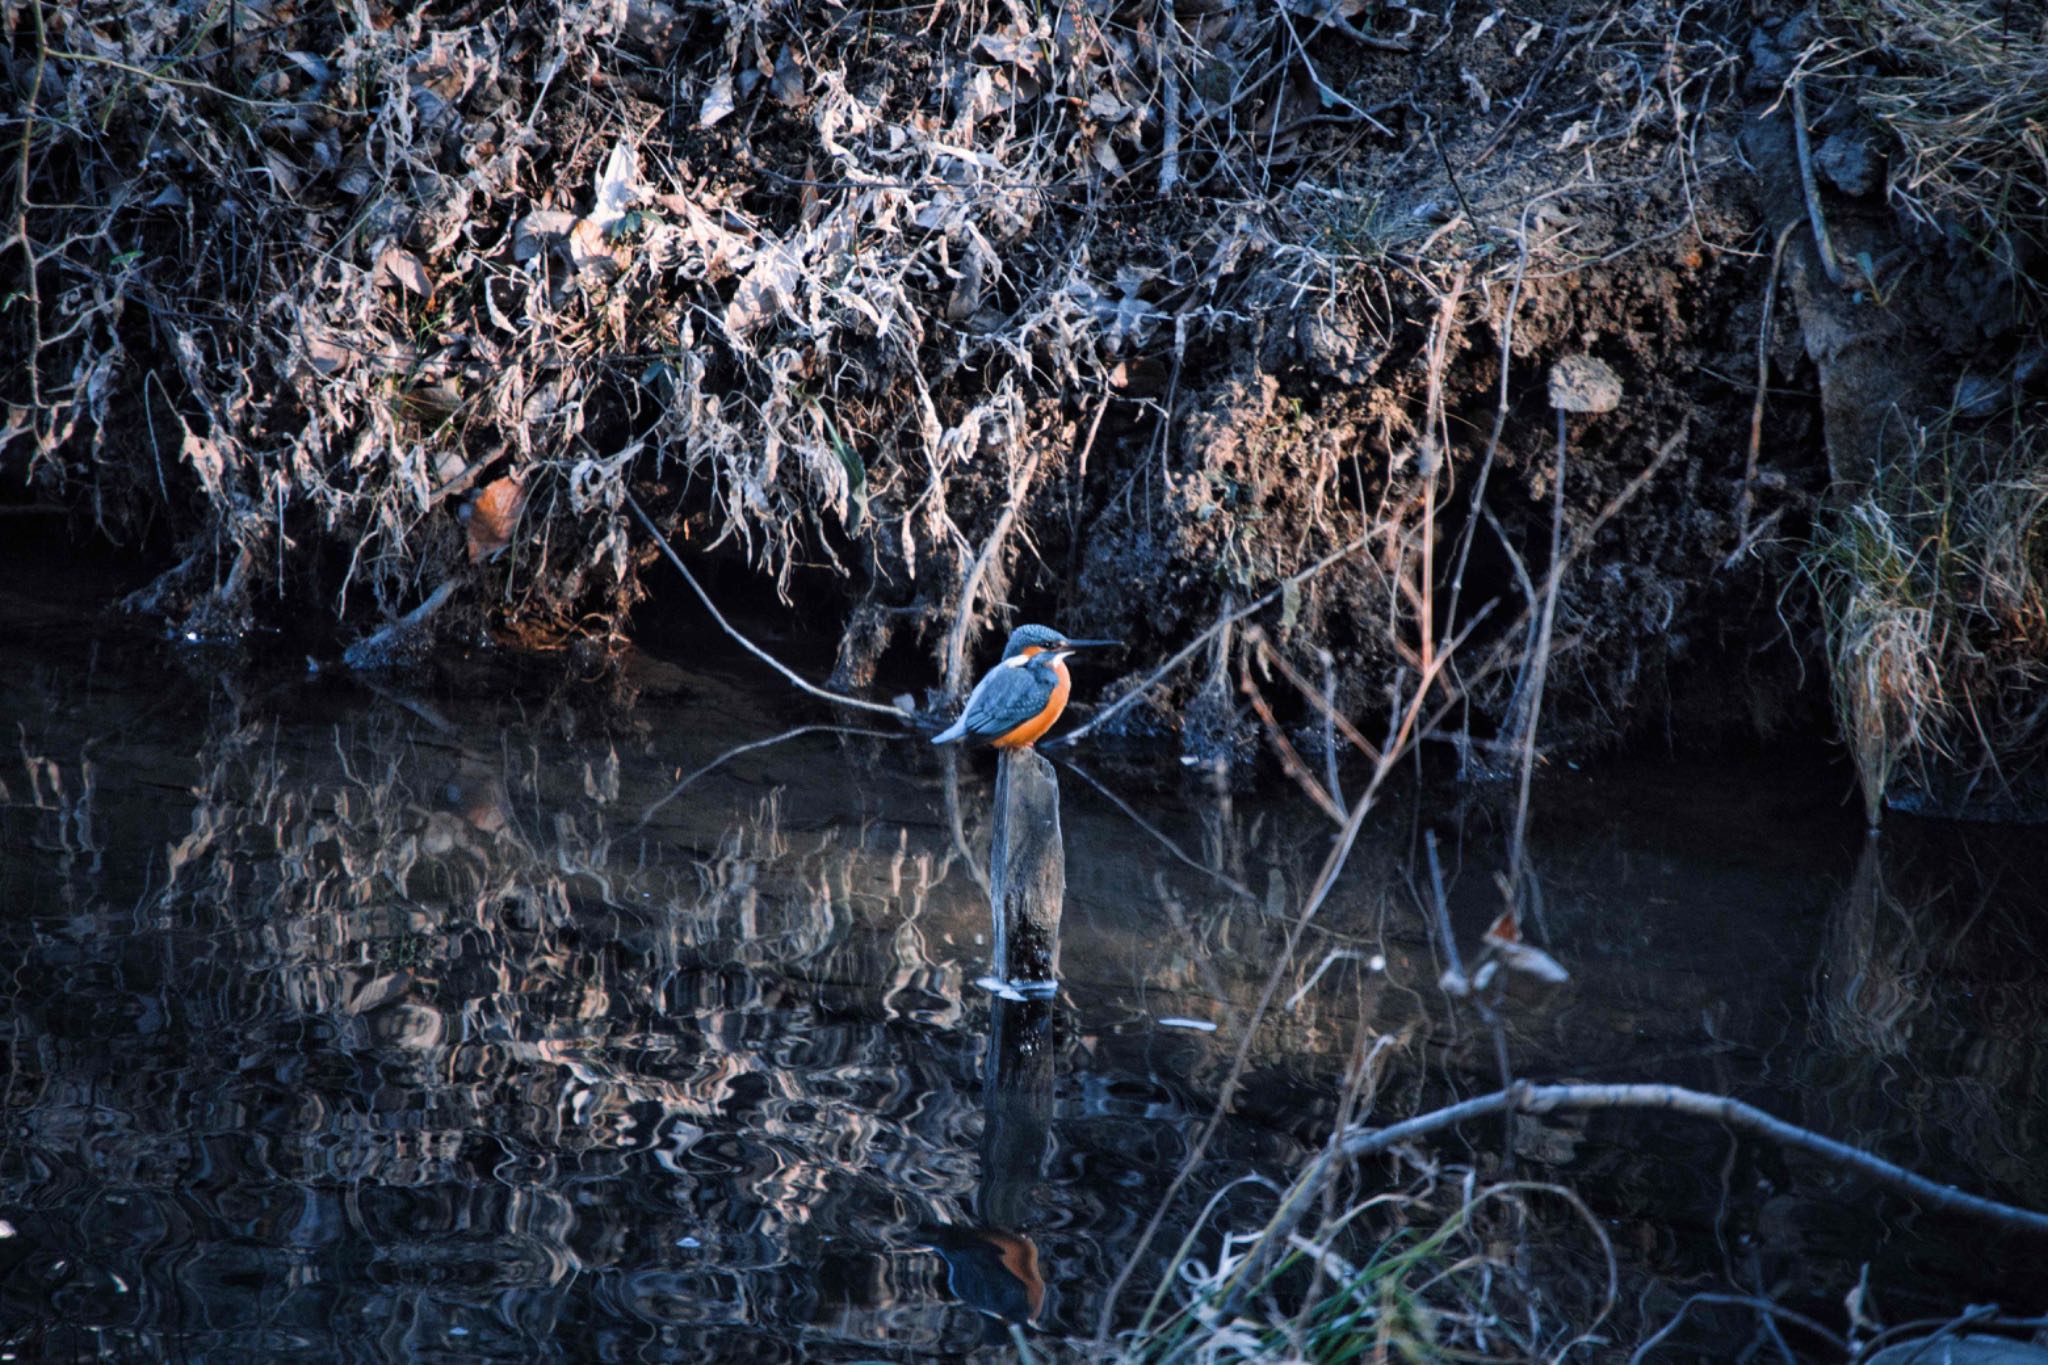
(1539, 669)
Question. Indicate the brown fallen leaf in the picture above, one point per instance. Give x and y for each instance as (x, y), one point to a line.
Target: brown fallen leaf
(492, 514)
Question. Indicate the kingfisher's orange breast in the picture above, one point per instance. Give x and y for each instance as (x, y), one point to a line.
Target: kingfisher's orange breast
(1031, 730)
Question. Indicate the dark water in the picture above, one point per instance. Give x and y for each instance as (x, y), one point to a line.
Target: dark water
(348, 1023)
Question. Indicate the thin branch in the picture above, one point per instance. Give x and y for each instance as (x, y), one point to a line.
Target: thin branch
(1539, 671)
(1141, 822)
(1764, 1306)
(963, 609)
(1290, 760)
(1401, 735)
(1763, 373)
(1551, 1099)
(1187, 651)
(836, 698)
(1801, 142)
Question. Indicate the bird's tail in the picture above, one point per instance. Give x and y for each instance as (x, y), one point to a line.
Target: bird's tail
(957, 730)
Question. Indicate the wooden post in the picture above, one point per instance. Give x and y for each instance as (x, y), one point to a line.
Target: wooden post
(1027, 870)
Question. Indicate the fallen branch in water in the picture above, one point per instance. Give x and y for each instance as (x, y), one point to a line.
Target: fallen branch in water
(393, 643)
(836, 698)
(1525, 1098)
(1550, 1099)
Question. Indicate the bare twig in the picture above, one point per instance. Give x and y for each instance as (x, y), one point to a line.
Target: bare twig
(1802, 142)
(737, 750)
(1169, 75)
(1551, 1099)
(1761, 1305)
(1747, 501)
(836, 698)
(1284, 747)
(1237, 887)
(1187, 651)
(963, 608)
(1539, 668)
(1321, 698)
(1402, 730)
(1442, 907)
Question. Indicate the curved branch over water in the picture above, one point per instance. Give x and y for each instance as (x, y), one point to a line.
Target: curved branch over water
(1550, 1099)
(836, 698)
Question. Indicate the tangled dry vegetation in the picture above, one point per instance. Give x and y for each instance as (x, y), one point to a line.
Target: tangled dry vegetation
(1938, 614)
(1131, 315)
(1931, 570)
(1130, 312)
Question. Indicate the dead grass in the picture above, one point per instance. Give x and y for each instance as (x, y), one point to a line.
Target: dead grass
(1963, 87)
(1934, 583)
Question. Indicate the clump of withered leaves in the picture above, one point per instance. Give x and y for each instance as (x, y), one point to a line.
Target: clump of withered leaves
(309, 279)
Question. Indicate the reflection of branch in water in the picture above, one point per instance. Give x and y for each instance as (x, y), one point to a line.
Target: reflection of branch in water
(736, 751)
(1142, 823)
(957, 825)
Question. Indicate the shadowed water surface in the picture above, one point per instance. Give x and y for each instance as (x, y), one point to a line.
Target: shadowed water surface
(492, 1023)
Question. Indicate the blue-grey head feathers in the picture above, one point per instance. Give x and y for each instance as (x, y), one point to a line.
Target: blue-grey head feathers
(1023, 637)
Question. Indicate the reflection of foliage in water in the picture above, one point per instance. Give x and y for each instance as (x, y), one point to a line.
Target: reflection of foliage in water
(422, 1039)
(1928, 1012)
(389, 1027)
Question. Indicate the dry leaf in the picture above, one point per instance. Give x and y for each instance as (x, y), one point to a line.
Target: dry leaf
(768, 291)
(326, 355)
(616, 187)
(788, 82)
(718, 102)
(530, 235)
(205, 459)
(399, 266)
(492, 514)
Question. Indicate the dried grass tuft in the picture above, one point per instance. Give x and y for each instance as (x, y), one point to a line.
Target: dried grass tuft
(1963, 86)
(1934, 583)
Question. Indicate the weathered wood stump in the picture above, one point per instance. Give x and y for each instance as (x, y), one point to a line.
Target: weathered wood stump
(1027, 870)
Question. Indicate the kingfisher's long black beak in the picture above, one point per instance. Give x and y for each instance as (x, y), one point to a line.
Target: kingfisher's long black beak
(1089, 644)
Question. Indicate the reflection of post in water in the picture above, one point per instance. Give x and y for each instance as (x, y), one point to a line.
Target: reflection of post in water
(1027, 869)
(993, 1266)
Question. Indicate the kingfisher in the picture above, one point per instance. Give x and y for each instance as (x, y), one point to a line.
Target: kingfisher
(1022, 696)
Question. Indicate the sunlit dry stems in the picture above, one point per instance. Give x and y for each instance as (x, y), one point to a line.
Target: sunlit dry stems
(1321, 699)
